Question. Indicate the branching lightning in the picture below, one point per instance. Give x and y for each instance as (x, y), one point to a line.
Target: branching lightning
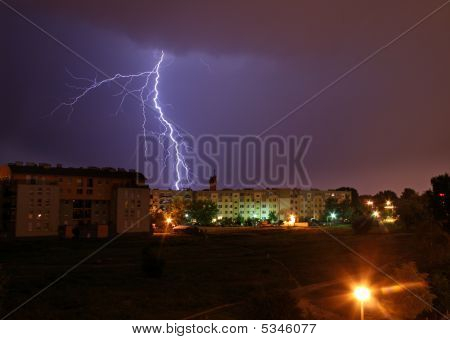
(180, 164)
(145, 93)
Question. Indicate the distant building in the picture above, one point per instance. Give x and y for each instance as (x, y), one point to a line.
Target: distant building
(36, 199)
(255, 203)
(162, 198)
(258, 203)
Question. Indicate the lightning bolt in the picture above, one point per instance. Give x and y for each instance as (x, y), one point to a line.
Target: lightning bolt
(145, 93)
(180, 163)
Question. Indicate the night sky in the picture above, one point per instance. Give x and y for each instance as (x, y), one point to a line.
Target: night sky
(236, 67)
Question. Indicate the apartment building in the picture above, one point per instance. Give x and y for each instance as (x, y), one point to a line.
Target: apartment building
(255, 203)
(258, 203)
(37, 199)
(162, 198)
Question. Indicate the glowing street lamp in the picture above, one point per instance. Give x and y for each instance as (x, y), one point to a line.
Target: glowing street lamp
(370, 203)
(332, 216)
(291, 220)
(376, 214)
(362, 294)
(168, 220)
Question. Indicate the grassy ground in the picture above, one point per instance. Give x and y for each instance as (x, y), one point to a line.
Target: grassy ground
(245, 272)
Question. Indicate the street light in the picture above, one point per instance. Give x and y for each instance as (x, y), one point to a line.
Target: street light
(362, 294)
(291, 220)
(376, 214)
(331, 217)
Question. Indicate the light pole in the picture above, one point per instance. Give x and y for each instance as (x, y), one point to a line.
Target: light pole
(168, 223)
(291, 220)
(332, 216)
(362, 294)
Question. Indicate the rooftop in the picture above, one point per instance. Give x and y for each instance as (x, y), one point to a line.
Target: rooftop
(59, 170)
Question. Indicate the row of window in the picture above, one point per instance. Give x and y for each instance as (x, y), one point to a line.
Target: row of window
(248, 206)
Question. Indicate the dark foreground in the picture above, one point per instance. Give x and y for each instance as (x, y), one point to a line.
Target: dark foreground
(237, 275)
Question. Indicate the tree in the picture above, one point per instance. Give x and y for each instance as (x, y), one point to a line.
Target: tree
(386, 195)
(203, 211)
(440, 199)
(331, 206)
(156, 218)
(239, 220)
(343, 210)
(355, 202)
(409, 194)
(272, 217)
(412, 209)
(176, 210)
(402, 305)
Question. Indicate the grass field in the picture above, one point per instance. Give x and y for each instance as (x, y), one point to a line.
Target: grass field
(230, 273)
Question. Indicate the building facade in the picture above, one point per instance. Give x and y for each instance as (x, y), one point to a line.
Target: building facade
(255, 203)
(162, 198)
(37, 199)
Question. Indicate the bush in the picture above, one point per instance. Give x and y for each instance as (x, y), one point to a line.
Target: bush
(226, 222)
(363, 224)
(152, 264)
(440, 287)
(403, 304)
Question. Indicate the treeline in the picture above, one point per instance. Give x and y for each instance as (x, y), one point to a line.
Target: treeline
(410, 211)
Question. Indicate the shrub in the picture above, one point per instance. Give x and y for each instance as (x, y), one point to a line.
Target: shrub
(440, 286)
(363, 224)
(226, 221)
(407, 303)
(152, 264)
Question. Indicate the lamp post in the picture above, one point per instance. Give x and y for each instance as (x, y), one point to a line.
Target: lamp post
(291, 220)
(332, 216)
(168, 223)
(362, 294)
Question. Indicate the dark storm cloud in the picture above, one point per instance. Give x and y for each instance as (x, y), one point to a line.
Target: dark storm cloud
(282, 27)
